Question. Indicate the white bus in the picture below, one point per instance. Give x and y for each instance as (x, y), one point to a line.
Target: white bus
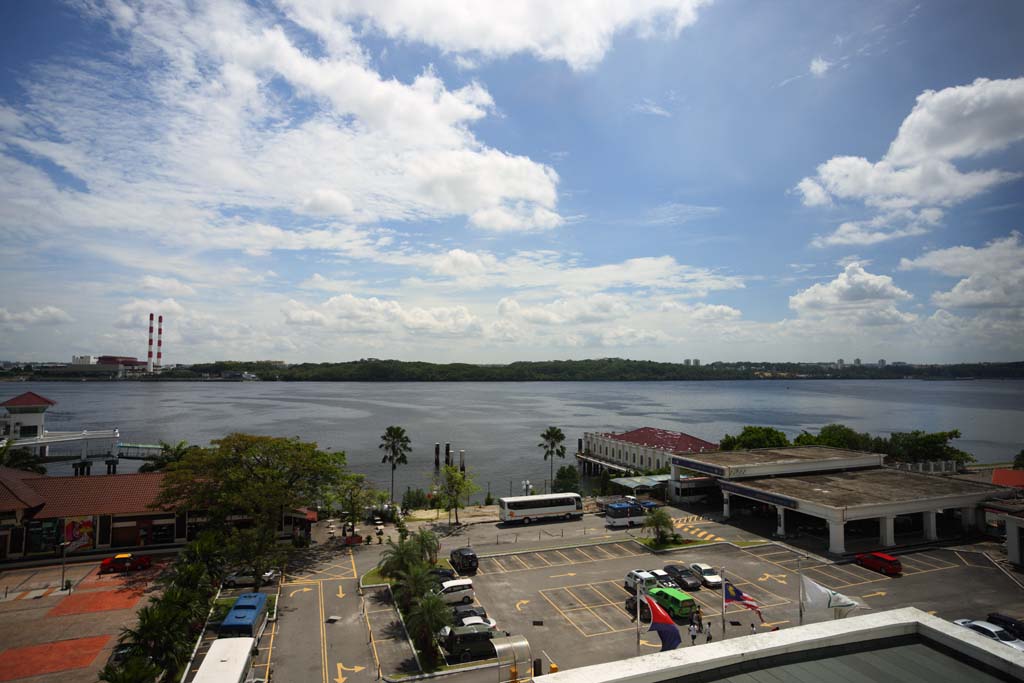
(526, 509)
(229, 660)
(625, 514)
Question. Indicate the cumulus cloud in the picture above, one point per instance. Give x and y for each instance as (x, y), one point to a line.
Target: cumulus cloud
(166, 285)
(819, 67)
(855, 296)
(578, 33)
(992, 277)
(918, 173)
(42, 315)
(676, 213)
(349, 312)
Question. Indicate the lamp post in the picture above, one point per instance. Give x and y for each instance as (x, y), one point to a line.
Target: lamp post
(63, 561)
(527, 487)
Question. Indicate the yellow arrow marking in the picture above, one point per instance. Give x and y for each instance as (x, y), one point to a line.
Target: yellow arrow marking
(519, 605)
(341, 677)
(878, 594)
(299, 590)
(341, 593)
(778, 578)
(558, 576)
(644, 642)
(769, 624)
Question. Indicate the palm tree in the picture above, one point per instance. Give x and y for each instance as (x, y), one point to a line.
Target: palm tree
(428, 616)
(552, 441)
(161, 634)
(21, 458)
(413, 584)
(396, 445)
(168, 455)
(428, 543)
(135, 669)
(398, 558)
(659, 522)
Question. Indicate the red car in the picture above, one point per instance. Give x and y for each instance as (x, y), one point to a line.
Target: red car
(880, 562)
(125, 562)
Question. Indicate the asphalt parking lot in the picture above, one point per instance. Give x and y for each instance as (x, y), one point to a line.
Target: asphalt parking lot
(569, 603)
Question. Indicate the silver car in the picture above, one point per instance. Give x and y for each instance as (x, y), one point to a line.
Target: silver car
(992, 631)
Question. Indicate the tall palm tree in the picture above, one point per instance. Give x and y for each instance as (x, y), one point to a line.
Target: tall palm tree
(21, 458)
(428, 616)
(413, 584)
(659, 523)
(135, 669)
(396, 445)
(398, 558)
(168, 455)
(553, 443)
(428, 543)
(161, 634)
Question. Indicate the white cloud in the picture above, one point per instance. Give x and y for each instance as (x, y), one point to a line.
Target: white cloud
(676, 213)
(647, 106)
(887, 226)
(347, 312)
(819, 67)
(855, 296)
(168, 286)
(42, 315)
(578, 33)
(318, 281)
(597, 308)
(918, 171)
(992, 276)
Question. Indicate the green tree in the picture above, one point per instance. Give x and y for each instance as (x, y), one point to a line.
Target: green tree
(397, 558)
(207, 549)
(428, 543)
(161, 634)
(396, 446)
(456, 488)
(21, 458)
(606, 482)
(567, 480)
(168, 454)
(351, 495)
(428, 616)
(659, 523)
(836, 436)
(254, 550)
(553, 443)
(134, 669)
(754, 437)
(413, 584)
(1018, 461)
(919, 446)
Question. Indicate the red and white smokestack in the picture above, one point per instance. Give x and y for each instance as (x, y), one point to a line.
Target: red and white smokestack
(160, 342)
(149, 358)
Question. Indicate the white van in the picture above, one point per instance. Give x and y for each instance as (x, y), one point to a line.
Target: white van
(640, 577)
(457, 590)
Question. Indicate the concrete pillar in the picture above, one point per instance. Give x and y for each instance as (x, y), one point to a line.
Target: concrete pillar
(930, 532)
(725, 504)
(780, 530)
(1013, 542)
(836, 537)
(887, 535)
(967, 517)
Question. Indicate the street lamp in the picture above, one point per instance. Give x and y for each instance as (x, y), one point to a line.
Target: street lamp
(63, 560)
(527, 487)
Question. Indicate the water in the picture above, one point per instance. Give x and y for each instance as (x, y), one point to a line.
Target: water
(499, 424)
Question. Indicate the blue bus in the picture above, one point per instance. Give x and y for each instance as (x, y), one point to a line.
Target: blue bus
(247, 618)
(625, 514)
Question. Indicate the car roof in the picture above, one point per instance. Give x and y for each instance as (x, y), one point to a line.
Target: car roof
(464, 551)
(702, 565)
(642, 573)
(882, 556)
(468, 583)
(475, 628)
(985, 624)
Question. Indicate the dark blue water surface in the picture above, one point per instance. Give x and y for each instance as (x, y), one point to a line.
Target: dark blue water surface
(499, 424)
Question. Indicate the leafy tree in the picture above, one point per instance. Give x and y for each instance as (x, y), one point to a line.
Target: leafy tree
(397, 558)
(134, 669)
(919, 446)
(754, 437)
(168, 454)
(428, 616)
(161, 634)
(21, 458)
(254, 549)
(415, 499)
(456, 488)
(606, 482)
(553, 443)
(428, 543)
(659, 523)
(395, 444)
(413, 584)
(567, 480)
(207, 549)
(836, 436)
(1018, 462)
(351, 495)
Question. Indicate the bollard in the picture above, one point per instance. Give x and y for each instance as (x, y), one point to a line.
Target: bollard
(537, 668)
(553, 668)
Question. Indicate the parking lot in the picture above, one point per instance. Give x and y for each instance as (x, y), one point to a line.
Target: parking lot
(569, 602)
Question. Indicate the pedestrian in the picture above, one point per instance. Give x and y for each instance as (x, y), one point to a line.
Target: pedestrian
(709, 634)
(753, 628)
(700, 620)
(693, 634)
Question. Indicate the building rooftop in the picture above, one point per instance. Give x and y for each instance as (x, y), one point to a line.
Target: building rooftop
(1004, 477)
(782, 456)
(866, 487)
(112, 494)
(29, 399)
(15, 494)
(676, 442)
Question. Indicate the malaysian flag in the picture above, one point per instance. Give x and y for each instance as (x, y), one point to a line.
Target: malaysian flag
(735, 595)
(663, 624)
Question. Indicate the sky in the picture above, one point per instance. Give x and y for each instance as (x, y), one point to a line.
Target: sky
(329, 180)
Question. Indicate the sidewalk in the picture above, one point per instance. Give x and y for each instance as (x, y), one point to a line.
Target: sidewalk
(391, 646)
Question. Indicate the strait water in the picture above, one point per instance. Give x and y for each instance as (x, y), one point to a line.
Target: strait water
(499, 424)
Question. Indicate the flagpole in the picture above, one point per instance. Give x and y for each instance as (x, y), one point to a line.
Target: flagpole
(723, 603)
(800, 572)
(638, 589)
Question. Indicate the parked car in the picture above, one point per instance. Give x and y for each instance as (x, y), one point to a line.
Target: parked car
(460, 612)
(880, 562)
(125, 562)
(708, 574)
(464, 643)
(443, 574)
(1014, 626)
(663, 579)
(640, 577)
(469, 621)
(458, 590)
(464, 560)
(244, 577)
(683, 576)
(678, 604)
(992, 631)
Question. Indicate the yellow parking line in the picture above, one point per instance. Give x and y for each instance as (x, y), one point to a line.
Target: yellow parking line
(564, 615)
(270, 648)
(323, 635)
(702, 534)
(567, 560)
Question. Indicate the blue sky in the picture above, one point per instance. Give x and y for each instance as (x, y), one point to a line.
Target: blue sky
(667, 179)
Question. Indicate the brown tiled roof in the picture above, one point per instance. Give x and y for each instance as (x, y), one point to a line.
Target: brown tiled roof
(676, 442)
(1007, 477)
(15, 494)
(29, 399)
(110, 494)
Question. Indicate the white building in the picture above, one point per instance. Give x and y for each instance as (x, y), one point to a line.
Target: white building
(638, 450)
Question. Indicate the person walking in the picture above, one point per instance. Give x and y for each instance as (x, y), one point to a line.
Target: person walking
(700, 620)
(693, 634)
(753, 628)
(708, 640)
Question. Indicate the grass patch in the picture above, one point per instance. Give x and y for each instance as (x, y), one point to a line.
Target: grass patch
(681, 543)
(373, 577)
(749, 544)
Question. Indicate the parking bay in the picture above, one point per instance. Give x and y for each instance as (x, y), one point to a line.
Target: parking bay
(569, 602)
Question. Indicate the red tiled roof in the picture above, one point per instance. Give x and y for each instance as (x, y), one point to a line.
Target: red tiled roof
(109, 494)
(29, 399)
(676, 442)
(1008, 478)
(15, 494)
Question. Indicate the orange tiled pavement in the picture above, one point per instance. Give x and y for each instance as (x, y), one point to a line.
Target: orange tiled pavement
(35, 660)
(95, 601)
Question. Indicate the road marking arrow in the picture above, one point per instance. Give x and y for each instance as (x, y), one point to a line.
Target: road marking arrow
(519, 605)
(341, 593)
(644, 642)
(341, 677)
(769, 624)
(307, 589)
(878, 594)
(779, 578)
(558, 576)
